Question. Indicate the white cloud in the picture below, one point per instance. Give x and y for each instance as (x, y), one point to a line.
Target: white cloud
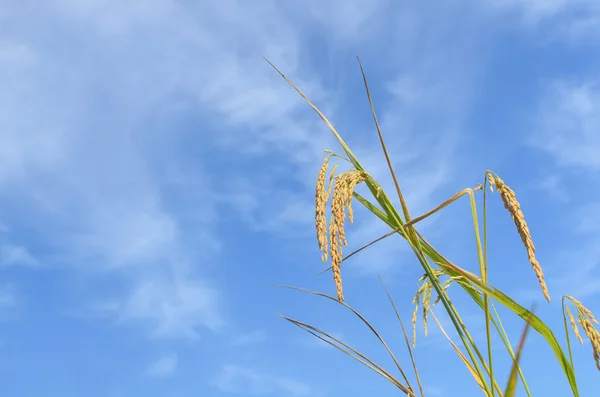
(11, 254)
(90, 161)
(171, 308)
(163, 367)
(249, 338)
(535, 9)
(9, 302)
(247, 381)
(570, 21)
(7, 297)
(434, 391)
(80, 157)
(568, 124)
(554, 186)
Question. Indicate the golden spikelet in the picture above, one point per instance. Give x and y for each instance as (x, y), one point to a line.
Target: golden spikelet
(512, 205)
(426, 307)
(586, 320)
(337, 237)
(425, 293)
(594, 337)
(574, 325)
(321, 198)
(584, 311)
(414, 322)
(342, 199)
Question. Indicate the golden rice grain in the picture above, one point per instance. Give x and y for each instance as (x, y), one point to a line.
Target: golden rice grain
(512, 205)
(594, 337)
(424, 292)
(574, 325)
(414, 322)
(586, 320)
(588, 313)
(426, 308)
(342, 199)
(337, 237)
(321, 198)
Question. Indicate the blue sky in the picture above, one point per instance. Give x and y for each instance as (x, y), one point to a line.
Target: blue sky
(156, 175)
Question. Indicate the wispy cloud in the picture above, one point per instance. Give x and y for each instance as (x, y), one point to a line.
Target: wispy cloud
(537, 10)
(159, 162)
(434, 391)
(243, 380)
(574, 23)
(11, 254)
(568, 123)
(163, 367)
(8, 301)
(173, 308)
(7, 297)
(99, 183)
(249, 338)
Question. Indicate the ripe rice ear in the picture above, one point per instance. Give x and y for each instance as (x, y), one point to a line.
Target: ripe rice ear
(321, 198)
(514, 208)
(341, 201)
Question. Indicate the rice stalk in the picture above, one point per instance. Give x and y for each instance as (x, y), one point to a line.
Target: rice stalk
(511, 386)
(407, 389)
(426, 254)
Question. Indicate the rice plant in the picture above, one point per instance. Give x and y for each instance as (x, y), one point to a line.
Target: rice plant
(336, 191)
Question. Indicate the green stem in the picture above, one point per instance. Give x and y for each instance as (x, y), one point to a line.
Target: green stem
(504, 337)
(567, 332)
(484, 275)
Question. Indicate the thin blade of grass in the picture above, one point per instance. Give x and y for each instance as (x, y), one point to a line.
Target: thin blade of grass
(486, 298)
(349, 153)
(382, 198)
(383, 146)
(511, 387)
(422, 249)
(410, 352)
(440, 207)
(460, 354)
(351, 352)
(519, 310)
(357, 314)
(506, 341)
(364, 247)
(389, 220)
(567, 331)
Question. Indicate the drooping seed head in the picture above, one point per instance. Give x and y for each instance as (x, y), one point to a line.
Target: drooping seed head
(321, 199)
(574, 325)
(414, 324)
(586, 320)
(341, 201)
(584, 311)
(426, 307)
(594, 337)
(512, 205)
(424, 293)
